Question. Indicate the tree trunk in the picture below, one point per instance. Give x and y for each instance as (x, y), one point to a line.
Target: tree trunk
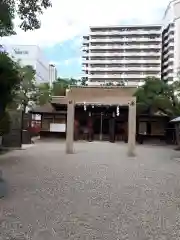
(2, 110)
(3, 185)
(177, 136)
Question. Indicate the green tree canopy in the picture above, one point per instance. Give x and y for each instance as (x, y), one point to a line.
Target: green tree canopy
(59, 87)
(83, 82)
(28, 12)
(72, 81)
(61, 84)
(6, 18)
(28, 94)
(156, 95)
(45, 93)
(10, 80)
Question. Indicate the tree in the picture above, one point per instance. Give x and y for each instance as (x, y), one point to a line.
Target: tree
(83, 82)
(28, 93)
(6, 18)
(59, 87)
(61, 84)
(173, 93)
(156, 95)
(28, 12)
(45, 93)
(10, 80)
(72, 81)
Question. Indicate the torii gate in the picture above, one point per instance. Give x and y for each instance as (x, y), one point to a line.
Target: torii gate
(99, 95)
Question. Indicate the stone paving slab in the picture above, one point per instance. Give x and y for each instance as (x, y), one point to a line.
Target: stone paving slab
(96, 193)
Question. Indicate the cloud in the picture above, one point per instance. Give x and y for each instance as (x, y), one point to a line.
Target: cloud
(68, 19)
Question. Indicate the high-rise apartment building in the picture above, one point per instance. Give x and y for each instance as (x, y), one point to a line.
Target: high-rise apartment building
(171, 42)
(122, 53)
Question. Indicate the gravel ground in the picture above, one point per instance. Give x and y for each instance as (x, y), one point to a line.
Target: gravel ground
(96, 193)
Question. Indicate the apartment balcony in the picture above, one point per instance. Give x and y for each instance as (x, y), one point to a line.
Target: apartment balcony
(167, 68)
(170, 38)
(169, 54)
(168, 76)
(168, 61)
(170, 44)
(85, 48)
(84, 75)
(122, 33)
(85, 41)
(123, 69)
(123, 61)
(133, 46)
(110, 40)
(121, 76)
(123, 54)
(169, 32)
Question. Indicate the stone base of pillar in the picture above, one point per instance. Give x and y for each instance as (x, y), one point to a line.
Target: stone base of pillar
(131, 154)
(69, 151)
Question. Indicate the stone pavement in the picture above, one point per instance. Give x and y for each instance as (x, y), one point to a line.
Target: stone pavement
(97, 193)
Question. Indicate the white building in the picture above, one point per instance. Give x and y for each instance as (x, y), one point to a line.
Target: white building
(122, 53)
(31, 55)
(171, 41)
(52, 74)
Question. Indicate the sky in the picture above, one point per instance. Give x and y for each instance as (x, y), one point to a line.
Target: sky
(64, 24)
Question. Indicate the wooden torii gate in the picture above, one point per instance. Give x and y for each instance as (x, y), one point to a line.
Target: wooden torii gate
(105, 96)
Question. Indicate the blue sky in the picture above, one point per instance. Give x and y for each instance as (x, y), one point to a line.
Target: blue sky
(66, 56)
(63, 26)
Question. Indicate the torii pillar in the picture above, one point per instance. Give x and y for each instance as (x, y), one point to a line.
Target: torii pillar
(132, 129)
(70, 127)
